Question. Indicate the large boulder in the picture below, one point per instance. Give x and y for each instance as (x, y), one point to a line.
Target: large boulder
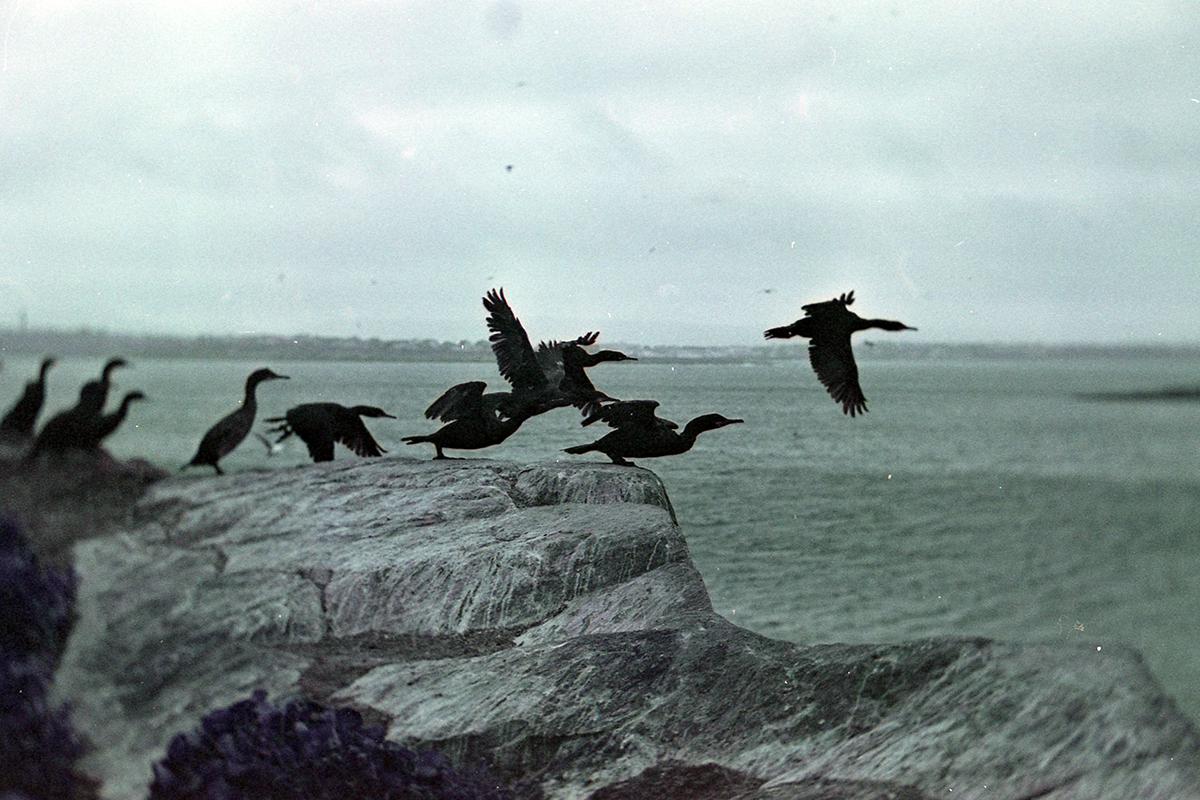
(547, 620)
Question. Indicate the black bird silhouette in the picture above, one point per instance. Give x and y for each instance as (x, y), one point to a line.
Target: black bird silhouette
(829, 326)
(639, 433)
(107, 424)
(21, 419)
(541, 380)
(74, 428)
(230, 430)
(474, 419)
(319, 425)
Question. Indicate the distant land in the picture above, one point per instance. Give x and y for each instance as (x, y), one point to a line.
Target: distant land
(99, 343)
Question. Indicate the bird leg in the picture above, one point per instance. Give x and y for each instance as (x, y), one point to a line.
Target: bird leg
(218, 469)
(621, 461)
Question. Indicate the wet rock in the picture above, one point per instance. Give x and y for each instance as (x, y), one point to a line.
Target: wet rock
(546, 619)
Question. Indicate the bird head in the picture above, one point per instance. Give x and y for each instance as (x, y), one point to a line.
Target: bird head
(709, 422)
(134, 396)
(611, 355)
(265, 374)
(112, 364)
(371, 411)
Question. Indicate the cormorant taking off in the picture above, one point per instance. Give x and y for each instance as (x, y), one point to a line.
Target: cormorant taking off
(829, 326)
(639, 433)
(541, 381)
(107, 424)
(230, 430)
(474, 420)
(319, 425)
(22, 417)
(75, 427)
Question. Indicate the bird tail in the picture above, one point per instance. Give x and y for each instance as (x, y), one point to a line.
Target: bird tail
(416, 439)
(580, 449)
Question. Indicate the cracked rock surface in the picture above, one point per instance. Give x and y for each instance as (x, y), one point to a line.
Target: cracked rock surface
(547, 619)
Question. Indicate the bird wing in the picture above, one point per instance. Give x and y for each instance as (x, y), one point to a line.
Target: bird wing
(462, 400)
(354, 434)
(550, 359)
(627, 414)
(828, 306)
(514, 354)
(226, 434)
(833, 361)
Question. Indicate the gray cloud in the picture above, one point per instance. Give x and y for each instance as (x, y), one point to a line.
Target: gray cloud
(1024, 172)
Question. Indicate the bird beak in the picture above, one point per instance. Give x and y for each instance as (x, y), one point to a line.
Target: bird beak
(389, 416)
(908, 328)
(630, 358)
(282, 377)
(733, 421)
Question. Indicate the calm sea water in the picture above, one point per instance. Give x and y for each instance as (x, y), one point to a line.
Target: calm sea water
(977, 498)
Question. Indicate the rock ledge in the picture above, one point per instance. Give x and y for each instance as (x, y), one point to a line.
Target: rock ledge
(548, 620)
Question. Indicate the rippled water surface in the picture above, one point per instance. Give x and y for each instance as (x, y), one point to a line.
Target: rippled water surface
(977, 498)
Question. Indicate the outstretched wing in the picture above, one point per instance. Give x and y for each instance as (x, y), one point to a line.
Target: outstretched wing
(514, 354)
(833, 361)
(462, 400)
(550, 355)
(829, 306)
(550, 359)
(354, 434)
(628, 414)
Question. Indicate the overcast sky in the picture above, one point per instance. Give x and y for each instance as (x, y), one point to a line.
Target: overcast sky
(991, 171)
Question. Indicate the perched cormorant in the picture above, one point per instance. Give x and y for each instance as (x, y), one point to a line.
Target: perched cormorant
(474, 419)
(230, 430)
(319, 425)
(829, 326)
(107, 424)
(639, 433)
(22, 417)
(540, 380)
(74, 428)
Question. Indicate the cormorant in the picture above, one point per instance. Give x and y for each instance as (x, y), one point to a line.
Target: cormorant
(574, 384)
(540, 380)
(22, 417)
(107, 424)
(639, 433)
(474, 419)
(829, 326)
(73, 428)
(230, 430)
(319, 425)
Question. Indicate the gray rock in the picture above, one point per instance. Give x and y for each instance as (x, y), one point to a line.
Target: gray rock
(547, 619)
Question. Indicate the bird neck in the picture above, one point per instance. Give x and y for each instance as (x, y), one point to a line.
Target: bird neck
(42, 372)
(250, 401)
(693, 429)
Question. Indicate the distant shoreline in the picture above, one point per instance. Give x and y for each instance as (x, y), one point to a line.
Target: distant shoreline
(93, 343)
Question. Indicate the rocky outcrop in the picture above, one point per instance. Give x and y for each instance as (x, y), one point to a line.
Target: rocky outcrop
(61, 499)
(547, 619)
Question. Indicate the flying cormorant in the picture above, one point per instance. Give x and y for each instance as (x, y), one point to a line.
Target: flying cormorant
(230, 430)
(107, 424)
(319, 425)
(540, 380)
(829, 325)
(21, 419)
(474, 419)
(639, 433)
(74, 428)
